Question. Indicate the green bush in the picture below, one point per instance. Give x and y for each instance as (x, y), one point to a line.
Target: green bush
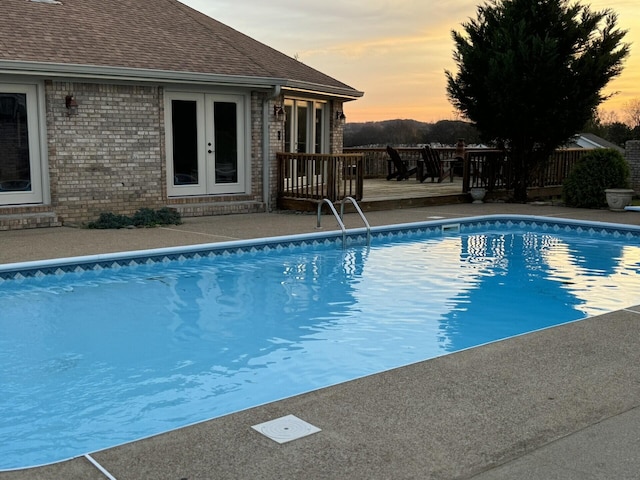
(598, 170)
(111, 220)
(145, 217)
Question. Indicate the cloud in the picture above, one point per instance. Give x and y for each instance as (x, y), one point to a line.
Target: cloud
(394, 50)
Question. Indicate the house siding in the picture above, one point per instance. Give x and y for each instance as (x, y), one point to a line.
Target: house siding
(108, 157)
(111, 156)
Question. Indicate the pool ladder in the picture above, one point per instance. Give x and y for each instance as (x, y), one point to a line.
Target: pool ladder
(340, 217)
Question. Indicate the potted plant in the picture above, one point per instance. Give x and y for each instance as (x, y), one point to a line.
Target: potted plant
(478, 194)
(599, 179)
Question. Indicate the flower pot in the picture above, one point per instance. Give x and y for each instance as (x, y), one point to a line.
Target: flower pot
(477, 194)
(618, 198)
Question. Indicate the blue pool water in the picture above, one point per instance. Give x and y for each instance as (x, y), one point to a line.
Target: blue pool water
(96, 357)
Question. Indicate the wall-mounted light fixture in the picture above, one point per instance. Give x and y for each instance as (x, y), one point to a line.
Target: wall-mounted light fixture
(278, 112)
(340, 116)
(71, 104)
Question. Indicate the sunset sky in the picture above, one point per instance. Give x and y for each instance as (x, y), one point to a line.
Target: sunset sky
(396, 51)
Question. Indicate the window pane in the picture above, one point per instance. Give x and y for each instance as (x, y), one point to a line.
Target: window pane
(319, 132)
(226, 142)
(15, 170)
(184, 122)
(302, 129)
(288, 117)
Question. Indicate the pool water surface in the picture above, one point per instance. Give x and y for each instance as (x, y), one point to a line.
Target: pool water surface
(98, 357)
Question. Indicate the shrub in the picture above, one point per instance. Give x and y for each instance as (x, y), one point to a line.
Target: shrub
(145, 217)
(598, 170)
(111, 220)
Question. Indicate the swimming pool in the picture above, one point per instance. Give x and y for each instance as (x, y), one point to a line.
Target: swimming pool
(100, 351)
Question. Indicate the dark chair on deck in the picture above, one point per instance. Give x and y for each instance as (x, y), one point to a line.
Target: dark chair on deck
(398, 168)
(429, 166)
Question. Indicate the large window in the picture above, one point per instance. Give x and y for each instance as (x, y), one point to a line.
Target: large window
(205, 143)
(20, 169)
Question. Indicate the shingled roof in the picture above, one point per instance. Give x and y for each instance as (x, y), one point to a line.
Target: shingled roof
(146, 38)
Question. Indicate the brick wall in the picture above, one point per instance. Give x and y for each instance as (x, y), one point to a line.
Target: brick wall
(337, 129)
(632, 154)
(276, 144)
(108, 157)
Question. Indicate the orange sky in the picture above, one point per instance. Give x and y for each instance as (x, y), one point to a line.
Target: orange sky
(396, 51)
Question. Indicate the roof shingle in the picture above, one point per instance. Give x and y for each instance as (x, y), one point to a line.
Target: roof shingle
(163, 35)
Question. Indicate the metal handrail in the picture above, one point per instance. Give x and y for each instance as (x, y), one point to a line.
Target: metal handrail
(359, 210)
(335, 214)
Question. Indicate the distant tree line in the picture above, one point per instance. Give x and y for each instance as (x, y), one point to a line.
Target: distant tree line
(447, 132)
(607, 126)
(409, 132)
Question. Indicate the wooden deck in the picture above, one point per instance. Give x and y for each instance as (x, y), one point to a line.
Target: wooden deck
(380, 194)
(379, 188)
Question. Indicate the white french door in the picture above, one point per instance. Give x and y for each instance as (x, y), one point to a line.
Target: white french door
(20, 162)
(206, 151)
(305, 126)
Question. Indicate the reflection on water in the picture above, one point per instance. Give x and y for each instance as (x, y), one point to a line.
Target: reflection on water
(101, 358)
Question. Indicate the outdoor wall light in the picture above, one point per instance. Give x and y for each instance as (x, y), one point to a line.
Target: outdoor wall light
(278, 112)
(340, 116)
(71, 104)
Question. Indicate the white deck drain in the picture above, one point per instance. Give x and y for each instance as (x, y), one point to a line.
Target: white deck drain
(285, 429)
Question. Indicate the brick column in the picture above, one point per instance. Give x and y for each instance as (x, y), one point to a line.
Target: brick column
(632, 154)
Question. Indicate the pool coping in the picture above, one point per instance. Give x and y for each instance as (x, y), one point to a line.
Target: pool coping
(60, 266)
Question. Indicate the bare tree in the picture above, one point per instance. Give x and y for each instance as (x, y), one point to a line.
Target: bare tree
(632, 112)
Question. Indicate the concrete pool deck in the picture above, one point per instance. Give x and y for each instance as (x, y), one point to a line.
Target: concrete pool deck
(559, 403)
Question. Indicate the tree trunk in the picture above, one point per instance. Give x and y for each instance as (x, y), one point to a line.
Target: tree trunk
(520, 175)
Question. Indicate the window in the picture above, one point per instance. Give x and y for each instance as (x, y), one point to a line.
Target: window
(20, 169)
(305, 125)
(206, 151)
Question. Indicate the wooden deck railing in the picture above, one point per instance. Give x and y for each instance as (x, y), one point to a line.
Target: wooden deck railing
(481, 167)
(375, 159)
(491, 169)
(318, 176)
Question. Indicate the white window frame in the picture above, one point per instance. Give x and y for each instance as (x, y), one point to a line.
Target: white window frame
(206, 173)
(36, 131)
(312, 106)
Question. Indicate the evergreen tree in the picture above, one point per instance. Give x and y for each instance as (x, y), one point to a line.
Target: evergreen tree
(531, 74)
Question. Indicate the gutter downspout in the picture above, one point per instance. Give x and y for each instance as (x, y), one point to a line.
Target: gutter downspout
(266, 147)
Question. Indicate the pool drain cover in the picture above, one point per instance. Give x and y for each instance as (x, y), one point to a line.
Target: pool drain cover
(285, 429)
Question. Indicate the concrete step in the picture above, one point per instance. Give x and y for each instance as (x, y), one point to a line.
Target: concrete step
(20, 221)
(217, 208)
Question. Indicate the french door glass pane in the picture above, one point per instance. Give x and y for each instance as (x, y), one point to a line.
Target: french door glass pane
(319, 132)
(302, 128)
(15, 167)
(288, 118)
(184, 122)
(226, 141)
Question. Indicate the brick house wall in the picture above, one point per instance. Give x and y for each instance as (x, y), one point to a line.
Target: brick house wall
(337, 129)
(108, 157)
(111, 157)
